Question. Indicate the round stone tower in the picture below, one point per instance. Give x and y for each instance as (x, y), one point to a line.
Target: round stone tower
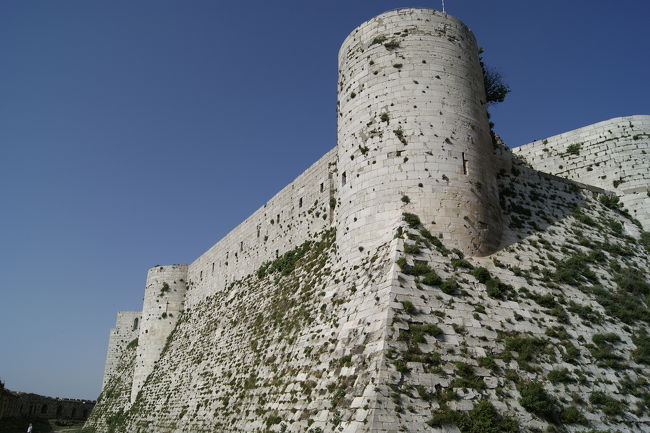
(164, 297)
(413, 133)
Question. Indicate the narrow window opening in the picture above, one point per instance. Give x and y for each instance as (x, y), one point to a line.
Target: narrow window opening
(322, 187)
(258, 231)
(277, 253)
(44, 408)
(300, 202)
(241, 246)
(201, 275)
(464, 163)
(212, 268)
(344, 178)
(135, 324)
(278, 218)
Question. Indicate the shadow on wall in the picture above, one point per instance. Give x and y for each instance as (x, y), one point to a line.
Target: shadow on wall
(20, 424)
(530, 200)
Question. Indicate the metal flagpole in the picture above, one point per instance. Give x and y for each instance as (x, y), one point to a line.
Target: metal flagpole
(443, 6)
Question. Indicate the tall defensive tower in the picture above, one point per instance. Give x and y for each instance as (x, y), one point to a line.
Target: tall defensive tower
(413, 133)
(164, 297)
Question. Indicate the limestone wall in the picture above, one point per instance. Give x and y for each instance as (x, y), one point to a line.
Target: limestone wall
(164, 297)
(127, 328)
(292, 216)
(413, 133)
(614, 155)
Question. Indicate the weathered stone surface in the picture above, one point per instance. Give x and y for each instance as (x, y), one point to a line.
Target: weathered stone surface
(341, 305)
(613, 155)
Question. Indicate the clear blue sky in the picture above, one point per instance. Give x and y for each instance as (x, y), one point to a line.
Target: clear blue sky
(136, 133)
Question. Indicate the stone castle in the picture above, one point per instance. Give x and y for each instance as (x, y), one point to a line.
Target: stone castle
(29, 406)
(370, 293)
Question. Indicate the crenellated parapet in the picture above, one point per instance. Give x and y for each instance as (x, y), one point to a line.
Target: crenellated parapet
(413, 133)
(164, 298)
(613, 155)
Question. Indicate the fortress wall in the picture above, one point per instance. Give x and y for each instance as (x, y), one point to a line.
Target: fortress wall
(127, 328)
(164, 297)
(412, 122)
(613, 155)
(292, 216)
(28, 405)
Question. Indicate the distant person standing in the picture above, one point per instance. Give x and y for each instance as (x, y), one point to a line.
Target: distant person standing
(29, 429)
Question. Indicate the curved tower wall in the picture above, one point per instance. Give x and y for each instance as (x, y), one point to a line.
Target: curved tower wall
(412, 123)
(160, 312)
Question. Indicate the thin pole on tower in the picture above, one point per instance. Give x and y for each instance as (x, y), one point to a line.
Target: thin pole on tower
(443, 6)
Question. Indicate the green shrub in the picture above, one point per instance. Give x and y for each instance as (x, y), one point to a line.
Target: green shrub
(546, 301)
(401, 366)
(575, 270)
(642, 352)
(461, 263)
(574, 149)
(633, 281)
(498, 290)
(602, 339)
(392, 45)
(399, 133)
(379, 40)
(430, 329)
(586, 313)
(411, 249)
(571, 353)
(560, 376)
(571, 415)
(431, 279)
(624, 306)
(488, 362)
(272, 420)
(466, 377)
(645, 240)
(449, 286)
(409, 307)
(481, 274)
(610, 406)
(536, 400)
(420, 268)
(527, 348)
(484, 418)
(610, 201)
(132, 344)
(412, 220)
(604, 352)
(286, 263)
